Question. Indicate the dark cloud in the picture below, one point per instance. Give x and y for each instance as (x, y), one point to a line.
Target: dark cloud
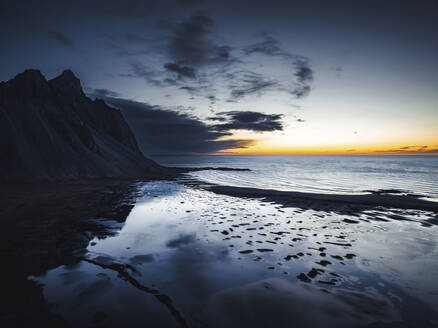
(181, 108)
(304, 76)
(191, 43)
(269, 46)
(61, 38)
(102, 93)
(247, 120)
(417, 148)
(218, 118)
(409, 150)
(212, 98)
(190, 52)
(304, 73)
(194, 59)
(190, 89)
(301, 91)
(180, 70)
(138, 70)
(161, 132)
(245, 83)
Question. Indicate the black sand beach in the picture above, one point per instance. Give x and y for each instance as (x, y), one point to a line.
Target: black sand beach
(71, 217)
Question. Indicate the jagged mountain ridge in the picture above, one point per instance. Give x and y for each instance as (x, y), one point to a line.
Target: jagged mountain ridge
(49, 129)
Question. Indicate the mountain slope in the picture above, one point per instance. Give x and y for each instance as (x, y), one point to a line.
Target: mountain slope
(51, 130)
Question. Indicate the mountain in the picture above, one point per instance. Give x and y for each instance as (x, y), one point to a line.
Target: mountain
(50, 130)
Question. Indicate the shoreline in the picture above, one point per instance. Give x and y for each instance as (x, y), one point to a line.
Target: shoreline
(295, 197)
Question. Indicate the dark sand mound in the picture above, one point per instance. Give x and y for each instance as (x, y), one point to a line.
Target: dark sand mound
(298, 198)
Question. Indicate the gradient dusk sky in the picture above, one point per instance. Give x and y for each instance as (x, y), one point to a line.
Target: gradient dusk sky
(199, 76)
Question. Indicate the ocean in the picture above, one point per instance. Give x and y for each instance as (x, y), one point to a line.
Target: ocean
(319, 173)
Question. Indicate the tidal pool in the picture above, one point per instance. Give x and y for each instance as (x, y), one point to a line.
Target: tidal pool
(186, 257)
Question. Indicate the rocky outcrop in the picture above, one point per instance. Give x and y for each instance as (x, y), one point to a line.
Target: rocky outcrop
(52, 130)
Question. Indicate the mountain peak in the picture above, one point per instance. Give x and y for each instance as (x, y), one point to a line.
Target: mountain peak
(30, 83)
(67, 82)
(31, 74)
(68, 74)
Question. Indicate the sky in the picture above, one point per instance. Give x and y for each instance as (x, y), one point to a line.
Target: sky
(244, 77)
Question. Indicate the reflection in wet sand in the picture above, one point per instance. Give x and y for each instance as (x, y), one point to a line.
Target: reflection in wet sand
(190, 257)
(278, 303)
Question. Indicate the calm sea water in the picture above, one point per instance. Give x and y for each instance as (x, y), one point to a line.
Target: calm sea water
(322, 174)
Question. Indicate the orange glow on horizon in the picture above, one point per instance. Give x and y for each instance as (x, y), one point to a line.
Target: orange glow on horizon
(368, 150)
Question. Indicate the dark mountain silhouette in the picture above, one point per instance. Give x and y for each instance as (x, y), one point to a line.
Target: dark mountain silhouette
(52, 130)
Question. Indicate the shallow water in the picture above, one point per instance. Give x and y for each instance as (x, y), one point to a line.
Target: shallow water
(321, 174)
(189, 257)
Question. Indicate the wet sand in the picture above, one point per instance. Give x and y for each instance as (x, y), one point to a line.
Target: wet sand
(182, 254)
(43, 226)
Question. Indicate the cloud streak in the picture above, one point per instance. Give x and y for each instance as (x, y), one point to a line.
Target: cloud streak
(180, 70)
(61, 38)
(303, 74)
(246, 83)
(247, 120)
(409, 150)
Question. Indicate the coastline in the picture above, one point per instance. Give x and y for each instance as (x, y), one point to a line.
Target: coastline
(295, 197)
